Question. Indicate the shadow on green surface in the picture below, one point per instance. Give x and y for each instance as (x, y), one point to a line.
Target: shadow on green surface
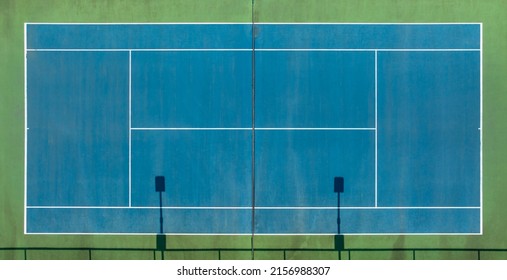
(28, 253)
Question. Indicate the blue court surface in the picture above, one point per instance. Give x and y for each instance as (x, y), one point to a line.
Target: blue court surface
(256, 129)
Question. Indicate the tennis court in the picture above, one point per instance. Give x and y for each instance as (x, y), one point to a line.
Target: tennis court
(256, 129)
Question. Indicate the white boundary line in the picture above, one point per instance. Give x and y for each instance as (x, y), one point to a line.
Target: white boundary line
(26, 135)
(130, 128)
(367, 23)
(140, 23)
(481, 130)
(250, 23)
(261, 207)
(263, 234)
(249, 50)
(376, 129)
(367, 50)
(139, 50)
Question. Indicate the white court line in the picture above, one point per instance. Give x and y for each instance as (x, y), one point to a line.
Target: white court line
(139, 50)
(364, 50)
(366, 207)
(428, 50)
(367, 23)
(250, 23)
(139, 23)
(249, 234)
(316, 128)
(376, 129)
(247, 50)
(261, 207)
(250, 128)
(26, 135)
(130, 130)
(189, 128)
(481, 132)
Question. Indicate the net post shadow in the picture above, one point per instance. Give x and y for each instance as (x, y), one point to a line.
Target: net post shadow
(161, 238)
(339, 240)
